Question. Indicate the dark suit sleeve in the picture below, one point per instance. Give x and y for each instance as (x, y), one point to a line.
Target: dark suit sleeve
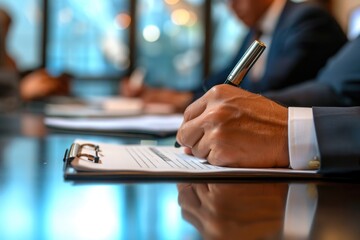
(338, 136)
(215, 79)
(220, 76)
(309, 94)
(338, 83)
(305, 38)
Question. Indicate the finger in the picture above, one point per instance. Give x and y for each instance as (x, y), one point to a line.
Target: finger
(188, 199)
(195, 109)
(182, 186)
(208, 141)
(188, 151)
(202, 191)
(215, 157)
(190, 133)
(188, 216)
(201, 148)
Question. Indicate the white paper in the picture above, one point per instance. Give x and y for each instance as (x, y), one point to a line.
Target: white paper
(147, 123)
(105, 107)
(96, 107)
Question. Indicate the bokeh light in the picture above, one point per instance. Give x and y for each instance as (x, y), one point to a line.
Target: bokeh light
(151, 33)
(180, 16)
(122, 21)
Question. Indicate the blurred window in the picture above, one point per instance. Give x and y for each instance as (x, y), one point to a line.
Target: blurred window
(88, 37)
(23, 41)
(228, 33)
(170, 40)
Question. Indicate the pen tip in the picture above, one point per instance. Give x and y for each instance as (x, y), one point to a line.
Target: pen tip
(177, 145)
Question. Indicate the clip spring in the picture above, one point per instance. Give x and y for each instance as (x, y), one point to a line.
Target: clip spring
(75, 151)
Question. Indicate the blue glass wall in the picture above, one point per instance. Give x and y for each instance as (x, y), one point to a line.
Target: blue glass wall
(23, 41)
(87, 38)
(90, 39)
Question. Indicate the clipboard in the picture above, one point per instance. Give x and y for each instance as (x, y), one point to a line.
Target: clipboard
(113, 162)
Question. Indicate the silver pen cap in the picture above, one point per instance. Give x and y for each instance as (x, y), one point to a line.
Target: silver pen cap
(245, 63)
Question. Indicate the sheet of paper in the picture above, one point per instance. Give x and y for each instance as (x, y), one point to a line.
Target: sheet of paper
(159, 159)
(96, 107)
(147, 123)
(104, 107)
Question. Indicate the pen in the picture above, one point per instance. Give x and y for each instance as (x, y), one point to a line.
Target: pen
(245, 63)
(136, 78)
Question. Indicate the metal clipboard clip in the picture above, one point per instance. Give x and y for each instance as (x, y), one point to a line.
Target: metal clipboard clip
(76, 152)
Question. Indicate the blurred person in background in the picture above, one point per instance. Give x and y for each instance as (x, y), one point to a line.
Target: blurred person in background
(40, 85)
(232, 127)
(6, 61)
(8, 69)
(300, 37)
(36, 84)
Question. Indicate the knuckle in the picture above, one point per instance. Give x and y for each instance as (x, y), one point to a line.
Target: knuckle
(216, 91)
(213, 116)
(222, 114)
(199, 152)
(216, 159)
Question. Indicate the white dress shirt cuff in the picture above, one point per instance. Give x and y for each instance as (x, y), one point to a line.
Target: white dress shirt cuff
(303, 147)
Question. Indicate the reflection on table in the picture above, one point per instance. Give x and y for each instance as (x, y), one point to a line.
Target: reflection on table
(271, 210)
(35, 199)
(36, 202)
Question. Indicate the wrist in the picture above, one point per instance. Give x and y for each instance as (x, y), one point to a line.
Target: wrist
(284, 159)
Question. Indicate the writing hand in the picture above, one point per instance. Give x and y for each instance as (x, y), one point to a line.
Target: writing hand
(232, 127)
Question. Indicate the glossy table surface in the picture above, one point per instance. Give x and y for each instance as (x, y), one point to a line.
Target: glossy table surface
(37, 203)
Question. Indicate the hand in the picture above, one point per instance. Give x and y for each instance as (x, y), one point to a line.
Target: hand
(39, 84)
(127, 89)
(232, 127)
(176, 99)
(234, 211)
